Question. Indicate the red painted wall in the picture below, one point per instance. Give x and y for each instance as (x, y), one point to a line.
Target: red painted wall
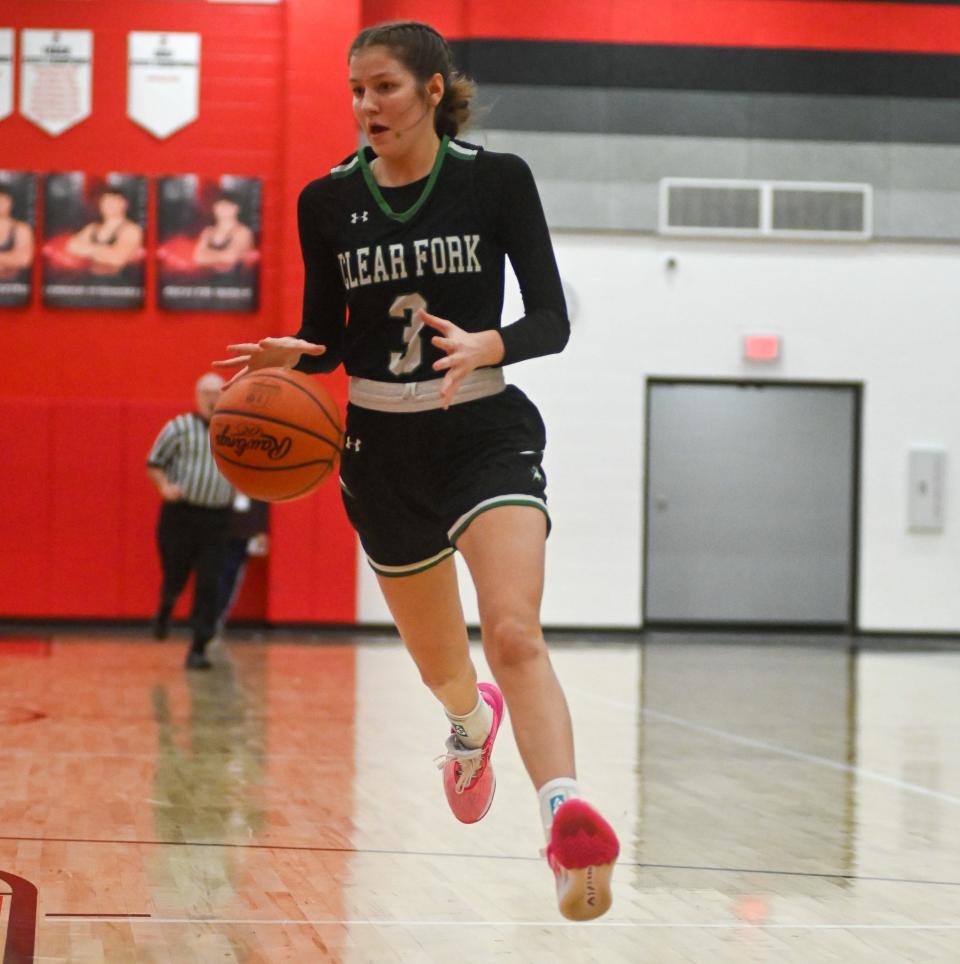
(830, 25)
(84, 392)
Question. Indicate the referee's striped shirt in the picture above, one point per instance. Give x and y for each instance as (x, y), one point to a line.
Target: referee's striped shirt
(182, 450)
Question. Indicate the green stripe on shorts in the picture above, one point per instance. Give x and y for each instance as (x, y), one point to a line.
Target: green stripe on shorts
(460, 526)
(413, 568)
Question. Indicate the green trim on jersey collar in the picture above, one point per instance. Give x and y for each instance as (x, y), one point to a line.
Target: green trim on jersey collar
(462, 153)
(403, 216)
(342, 170)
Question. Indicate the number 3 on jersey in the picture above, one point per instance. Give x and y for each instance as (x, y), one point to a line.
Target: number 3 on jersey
(406, 361)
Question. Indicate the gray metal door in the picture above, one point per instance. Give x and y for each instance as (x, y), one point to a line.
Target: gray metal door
(750, 503)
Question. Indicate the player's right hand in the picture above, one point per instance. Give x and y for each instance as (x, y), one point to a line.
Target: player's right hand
(282, 352)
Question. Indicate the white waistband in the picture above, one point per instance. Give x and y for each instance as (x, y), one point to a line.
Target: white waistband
(423, 396)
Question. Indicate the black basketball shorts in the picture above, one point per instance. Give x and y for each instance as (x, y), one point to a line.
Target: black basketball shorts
(413, 482)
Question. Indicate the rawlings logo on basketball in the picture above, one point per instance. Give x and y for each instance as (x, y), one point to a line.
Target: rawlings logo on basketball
(251, 438)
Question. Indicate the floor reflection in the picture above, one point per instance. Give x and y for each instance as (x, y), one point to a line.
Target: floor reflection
(208, 783)
(909, 754)
(741, 718)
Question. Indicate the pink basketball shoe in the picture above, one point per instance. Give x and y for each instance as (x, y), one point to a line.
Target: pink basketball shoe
(582, 851)
(468, 778)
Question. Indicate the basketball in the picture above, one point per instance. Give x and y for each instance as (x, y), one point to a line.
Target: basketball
(275, 434)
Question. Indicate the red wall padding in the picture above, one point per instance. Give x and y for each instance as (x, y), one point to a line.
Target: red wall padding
(78, 508)
(88, 511)
(80, 513)
(25, 517)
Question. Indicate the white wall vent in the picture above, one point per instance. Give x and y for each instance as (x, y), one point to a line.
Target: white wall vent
(714, 207)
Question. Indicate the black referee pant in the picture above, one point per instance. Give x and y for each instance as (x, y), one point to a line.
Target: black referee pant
(193, 538)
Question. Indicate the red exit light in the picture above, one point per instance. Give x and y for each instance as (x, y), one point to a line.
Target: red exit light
(761, 348)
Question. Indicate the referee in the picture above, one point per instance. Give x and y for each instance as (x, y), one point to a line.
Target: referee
(194, 518)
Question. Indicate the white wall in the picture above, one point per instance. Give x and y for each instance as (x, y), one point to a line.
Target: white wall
(886, 315)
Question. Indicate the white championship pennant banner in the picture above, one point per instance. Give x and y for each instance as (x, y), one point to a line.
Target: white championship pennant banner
(6, 73)
(163, 86)
(56, 70)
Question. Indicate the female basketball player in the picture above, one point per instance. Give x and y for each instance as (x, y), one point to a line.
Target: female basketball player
(409, 236)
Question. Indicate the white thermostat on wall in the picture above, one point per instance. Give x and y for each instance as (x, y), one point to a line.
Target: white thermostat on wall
(928, 476)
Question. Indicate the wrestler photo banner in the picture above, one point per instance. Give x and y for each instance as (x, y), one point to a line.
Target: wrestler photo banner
(18, 193)
(208, 256)
(94, 230)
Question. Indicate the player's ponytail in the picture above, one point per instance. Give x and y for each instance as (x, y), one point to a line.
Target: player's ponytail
(424, 52)
(453, 112)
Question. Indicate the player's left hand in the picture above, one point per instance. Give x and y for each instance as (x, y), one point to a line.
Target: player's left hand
(465, 351)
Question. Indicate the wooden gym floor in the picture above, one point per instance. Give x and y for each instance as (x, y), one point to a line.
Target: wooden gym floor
(778, 799)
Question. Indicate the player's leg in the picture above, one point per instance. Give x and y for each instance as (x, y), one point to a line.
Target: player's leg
(231, 579)
(390, 478)
(211, 529)
(175, 543)
(504, 549)
(426, 608)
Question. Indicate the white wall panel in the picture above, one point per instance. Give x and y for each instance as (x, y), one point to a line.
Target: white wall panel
(883, 314)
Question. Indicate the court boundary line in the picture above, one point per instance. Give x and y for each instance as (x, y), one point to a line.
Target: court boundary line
(383, 852)
(643, 925)
(89, 916)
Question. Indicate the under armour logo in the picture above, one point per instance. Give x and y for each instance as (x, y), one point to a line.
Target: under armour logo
(352, 445)
(537, 475)
(362, 216)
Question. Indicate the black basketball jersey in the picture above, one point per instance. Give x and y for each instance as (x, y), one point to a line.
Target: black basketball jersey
(374, 256)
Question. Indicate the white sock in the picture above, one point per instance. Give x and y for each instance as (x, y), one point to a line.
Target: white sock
(551, 795)
(473, 728)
